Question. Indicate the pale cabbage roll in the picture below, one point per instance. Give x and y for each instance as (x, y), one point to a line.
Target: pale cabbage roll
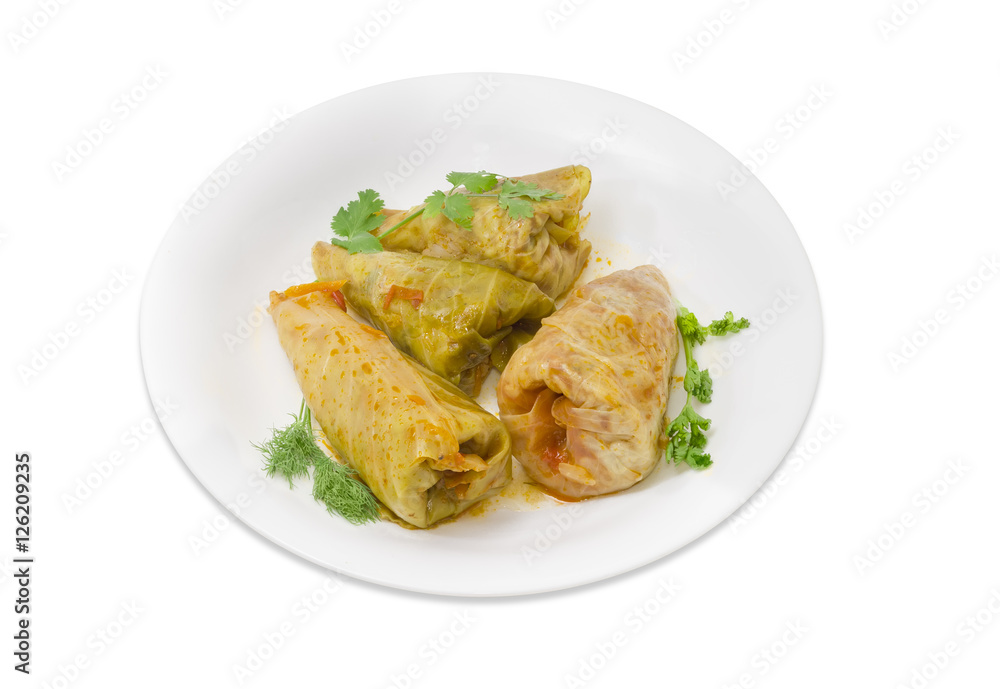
(426, 450)
(585, 401)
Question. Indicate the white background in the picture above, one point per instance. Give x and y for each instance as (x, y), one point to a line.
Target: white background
(873, 578)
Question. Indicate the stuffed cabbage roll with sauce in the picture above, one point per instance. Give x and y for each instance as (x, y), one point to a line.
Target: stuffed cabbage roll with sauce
(545, 249)
(426, 450)
(585, 401)
(450, 315)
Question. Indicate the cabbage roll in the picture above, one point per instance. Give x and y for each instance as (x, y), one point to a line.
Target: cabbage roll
(426, 450)
(585, 401)
(545, 249)
(449, 315)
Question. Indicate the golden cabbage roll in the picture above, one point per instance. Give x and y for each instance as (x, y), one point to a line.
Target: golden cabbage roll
(585, 401)
(545, 249)
(449, 315)
(426, 450)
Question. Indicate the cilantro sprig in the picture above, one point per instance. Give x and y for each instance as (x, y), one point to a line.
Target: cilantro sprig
(514, 196)
(686, 438)
(727, 324)
(292, 451)
(353, 225)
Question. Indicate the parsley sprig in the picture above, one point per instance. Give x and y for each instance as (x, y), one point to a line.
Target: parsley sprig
(686, 439)
(291, 451)
(353, 224)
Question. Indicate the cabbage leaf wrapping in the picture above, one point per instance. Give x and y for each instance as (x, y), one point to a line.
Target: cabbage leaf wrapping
(426, 450)
(545, 249)
(447, 314)
(585, 401)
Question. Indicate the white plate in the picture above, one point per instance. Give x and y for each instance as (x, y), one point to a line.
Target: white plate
(209, 347)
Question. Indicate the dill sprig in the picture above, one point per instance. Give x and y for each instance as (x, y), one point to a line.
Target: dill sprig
(335, 487)
(292, 450)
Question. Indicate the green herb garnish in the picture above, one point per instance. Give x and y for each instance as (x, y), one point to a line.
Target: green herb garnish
(686, 439)
(353, 225)
(334, 485)
(727, 325)
(292, 450)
